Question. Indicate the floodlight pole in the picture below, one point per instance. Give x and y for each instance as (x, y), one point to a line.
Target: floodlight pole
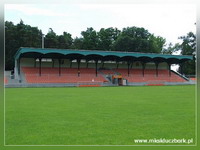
(42, 41)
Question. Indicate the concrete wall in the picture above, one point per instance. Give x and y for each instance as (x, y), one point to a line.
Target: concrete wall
(7, 73)
(28, 62)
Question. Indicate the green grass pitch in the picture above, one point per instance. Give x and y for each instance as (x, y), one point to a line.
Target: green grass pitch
(98, 115)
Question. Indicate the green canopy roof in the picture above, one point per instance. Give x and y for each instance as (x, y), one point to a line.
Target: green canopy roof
(97, 55)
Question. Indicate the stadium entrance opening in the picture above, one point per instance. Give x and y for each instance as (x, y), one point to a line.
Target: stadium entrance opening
(117, 79)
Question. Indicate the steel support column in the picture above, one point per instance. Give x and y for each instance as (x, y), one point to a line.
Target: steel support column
(102, 65)
(156, 63)
(35, 62)
(59, 68)
(70, 66)
(78, 61)
(96, 62)
(169, 68)
(53, 62)
(128, 63)
(86, 63)
(131, 65)
(143, 68)
(181, 68)
(40, 64)
(117, 65)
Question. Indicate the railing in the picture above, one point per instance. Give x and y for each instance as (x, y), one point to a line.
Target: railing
(89, 83)
(63, 75)
(190, 76)
(99, 75)
(148, 75)
(182, 76)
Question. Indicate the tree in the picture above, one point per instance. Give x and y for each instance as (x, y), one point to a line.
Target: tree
(188, 47)
(64, 41)
(28, 36)
(125, 43)
(136, 39)
(11, 45)
(17, 36)
(132, 39)
(51, 39)
(107, 37)
(170, 49)
(90, 39)
(77, 43)
(156, 44)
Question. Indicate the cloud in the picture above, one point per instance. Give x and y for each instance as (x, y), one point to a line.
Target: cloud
(31, 10)
(169, 20)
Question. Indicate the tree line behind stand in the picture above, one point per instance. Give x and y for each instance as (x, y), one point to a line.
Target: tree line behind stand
(130, 39)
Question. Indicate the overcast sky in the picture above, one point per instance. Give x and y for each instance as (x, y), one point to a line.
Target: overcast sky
(167, 20)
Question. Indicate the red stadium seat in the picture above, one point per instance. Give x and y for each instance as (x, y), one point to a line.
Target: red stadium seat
(68, 75)
(136, 75)
(88, 75)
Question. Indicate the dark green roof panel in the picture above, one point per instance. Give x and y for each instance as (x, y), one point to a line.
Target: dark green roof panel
(66, 53)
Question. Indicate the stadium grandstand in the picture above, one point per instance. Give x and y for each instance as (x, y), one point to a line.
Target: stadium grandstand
(66, 67)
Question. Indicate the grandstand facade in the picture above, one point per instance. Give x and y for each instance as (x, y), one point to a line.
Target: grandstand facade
(64, 67)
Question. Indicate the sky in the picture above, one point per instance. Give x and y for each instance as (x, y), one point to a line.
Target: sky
(169, 21)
